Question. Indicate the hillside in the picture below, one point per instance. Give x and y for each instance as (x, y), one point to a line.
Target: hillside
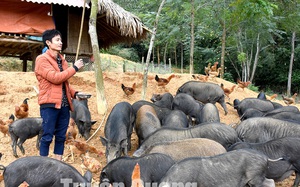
(16, 86)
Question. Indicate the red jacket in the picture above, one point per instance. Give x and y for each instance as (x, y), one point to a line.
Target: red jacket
(51, 80)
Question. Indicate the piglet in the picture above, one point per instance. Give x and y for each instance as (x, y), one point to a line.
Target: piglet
(23, 129)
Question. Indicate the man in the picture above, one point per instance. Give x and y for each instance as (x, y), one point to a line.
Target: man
(55, 93)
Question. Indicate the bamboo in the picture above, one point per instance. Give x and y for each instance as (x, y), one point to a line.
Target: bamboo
(80, 32)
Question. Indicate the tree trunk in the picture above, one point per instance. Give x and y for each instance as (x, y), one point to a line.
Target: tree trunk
(165, 55)
(192, 38)
(256, 58)
(101, 100)
(153, 55)
(181, 57)
(223, 49)
(170, 65)
(175, 56)
(288, 91)
(145, 77)
(158, 56)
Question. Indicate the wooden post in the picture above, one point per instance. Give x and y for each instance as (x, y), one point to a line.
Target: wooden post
(24, 64)
(34, 54)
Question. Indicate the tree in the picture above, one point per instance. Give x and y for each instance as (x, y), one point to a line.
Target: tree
(145, 77)
(288, 92)
(192, 38)
(101, 100)
(259, 15)
(289, 10)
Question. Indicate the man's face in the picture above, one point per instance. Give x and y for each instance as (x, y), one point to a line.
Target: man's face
(55, 44)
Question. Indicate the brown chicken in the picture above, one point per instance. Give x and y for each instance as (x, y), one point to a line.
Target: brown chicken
(272, 97)
(136, 180)
(289, 100)
(227, 91)
(214, 74)
(91, 163)
(214, 67)
(22, 110)
(4, 125)
(163, 81)
(79, 147)
(207, 69)
(72, 129)
(128, 90)
(202, 78)
(3, 128)
(242, 84)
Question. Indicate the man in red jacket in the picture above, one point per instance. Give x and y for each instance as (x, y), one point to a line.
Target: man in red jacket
(55, 93)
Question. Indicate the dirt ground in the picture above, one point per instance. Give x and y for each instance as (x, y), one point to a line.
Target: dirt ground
(16, 86)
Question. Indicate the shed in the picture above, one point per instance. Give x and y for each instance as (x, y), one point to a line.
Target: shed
(24, 21)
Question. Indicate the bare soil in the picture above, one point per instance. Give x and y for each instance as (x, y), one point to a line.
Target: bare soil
(16, 86)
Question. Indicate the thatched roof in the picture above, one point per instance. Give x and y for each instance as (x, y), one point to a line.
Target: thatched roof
(75, 3)
(115, 25)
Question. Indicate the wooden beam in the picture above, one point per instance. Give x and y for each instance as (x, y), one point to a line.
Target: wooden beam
(12, 40)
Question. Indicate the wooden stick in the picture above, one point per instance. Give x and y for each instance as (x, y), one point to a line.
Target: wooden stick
(80, 32)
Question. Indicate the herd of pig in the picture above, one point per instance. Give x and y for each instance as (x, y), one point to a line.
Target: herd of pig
(181, 142)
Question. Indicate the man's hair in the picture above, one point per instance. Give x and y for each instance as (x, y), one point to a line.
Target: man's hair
(49, 34)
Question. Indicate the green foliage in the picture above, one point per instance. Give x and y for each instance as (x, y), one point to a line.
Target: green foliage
(242, 57)
(244, 20)
(228, 77)
(127, 53)
(253, 88)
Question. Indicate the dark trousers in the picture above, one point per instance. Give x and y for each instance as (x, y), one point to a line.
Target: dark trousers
(55, 123)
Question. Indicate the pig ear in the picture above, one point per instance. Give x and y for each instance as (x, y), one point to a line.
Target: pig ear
(88, 175)
(93, 122)
(104, 141)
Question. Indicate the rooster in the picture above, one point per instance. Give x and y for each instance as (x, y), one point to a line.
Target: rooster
(242, 84)
(128, 90)
(136, 180)
(227, 91)
(162, 81)
(290, 100)
(22, 110)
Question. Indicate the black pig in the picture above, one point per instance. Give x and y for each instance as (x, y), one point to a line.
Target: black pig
(39, 171)
(118, 130)
(82, 117)
(23, 129)
(204, 92)
(152, 168)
